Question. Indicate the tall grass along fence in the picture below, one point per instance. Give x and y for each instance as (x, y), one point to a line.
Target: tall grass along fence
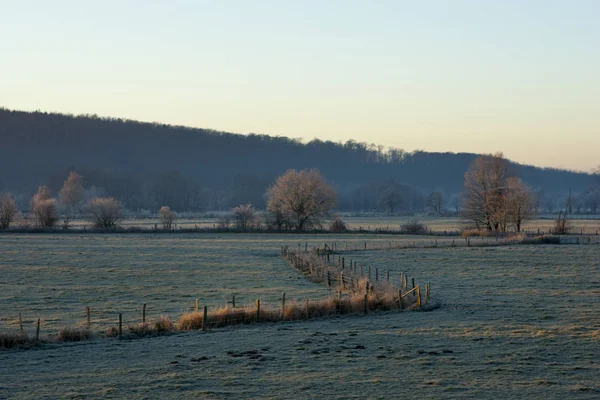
(353, 282)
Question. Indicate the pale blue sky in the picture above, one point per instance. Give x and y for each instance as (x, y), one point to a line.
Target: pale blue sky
(522, 77)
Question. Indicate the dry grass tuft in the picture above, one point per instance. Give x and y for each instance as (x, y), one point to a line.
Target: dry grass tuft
(14, 339)
(113, 331)
(141, 330)
(191, 321)
(74, 334)
(163, 324)
(476, 232)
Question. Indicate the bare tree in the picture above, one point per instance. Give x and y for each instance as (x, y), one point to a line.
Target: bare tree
(390, 199)
(8, 210)
(519, 202)
(105, 212)
(436, 202)
(44, 207)
(485, 184)
(245, 217)
(563, 223)
(302, 197)
(167, 217)
(72, 193)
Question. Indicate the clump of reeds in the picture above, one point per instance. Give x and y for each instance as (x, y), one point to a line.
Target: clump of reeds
(141, 330)
(163, 324)
(191, 321)
(74, 334)
(15, 339)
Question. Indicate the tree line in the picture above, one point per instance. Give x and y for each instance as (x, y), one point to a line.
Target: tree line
(494, 199)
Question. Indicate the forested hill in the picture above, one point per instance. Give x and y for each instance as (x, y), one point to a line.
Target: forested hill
(147, 164)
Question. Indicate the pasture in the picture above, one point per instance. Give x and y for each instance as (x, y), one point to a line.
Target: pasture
(544, 222)
(512, 321)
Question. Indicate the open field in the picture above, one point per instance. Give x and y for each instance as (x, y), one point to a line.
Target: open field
(589, 223)
(513, 322)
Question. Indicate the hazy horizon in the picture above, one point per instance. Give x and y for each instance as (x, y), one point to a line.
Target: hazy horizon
(457, 77)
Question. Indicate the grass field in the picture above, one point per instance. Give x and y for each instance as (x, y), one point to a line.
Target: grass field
(512, 322)
(544, 223)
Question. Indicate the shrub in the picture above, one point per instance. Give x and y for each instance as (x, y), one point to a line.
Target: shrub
(167, 217)
(337, 225)
(413, 227)
(106, 212)
(244, 216)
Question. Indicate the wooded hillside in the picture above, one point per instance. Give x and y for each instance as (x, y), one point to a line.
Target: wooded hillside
(147, 165)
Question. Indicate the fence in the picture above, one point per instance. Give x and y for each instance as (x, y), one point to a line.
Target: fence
(356, 279)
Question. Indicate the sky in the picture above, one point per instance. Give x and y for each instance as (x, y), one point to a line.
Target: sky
(521, 77)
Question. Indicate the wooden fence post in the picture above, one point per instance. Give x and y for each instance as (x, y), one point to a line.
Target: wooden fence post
(419, 296)
(343, 262)
(366, 303)
(413, 283)
(197, 309)
(233, 300)
(328, 278)
(257, 310)
(307, 316)
(87, 317)
(37, 331)
(369, 272)
(205, 318)
(400, 304)
(20, 322)
(282, 305)
(144, 313)
(342, 286)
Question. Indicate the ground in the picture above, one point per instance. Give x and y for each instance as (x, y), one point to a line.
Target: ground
(507, 322)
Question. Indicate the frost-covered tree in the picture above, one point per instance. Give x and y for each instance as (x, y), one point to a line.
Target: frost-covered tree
(105, 212)
(302, 198)
(44, 207)
(8, 210)
(167, 217)
(72, 193)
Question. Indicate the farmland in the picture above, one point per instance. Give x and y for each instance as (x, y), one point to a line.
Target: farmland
(511, 321)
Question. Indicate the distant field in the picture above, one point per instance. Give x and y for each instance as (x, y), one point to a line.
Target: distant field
(513, 322)
(544, 223)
